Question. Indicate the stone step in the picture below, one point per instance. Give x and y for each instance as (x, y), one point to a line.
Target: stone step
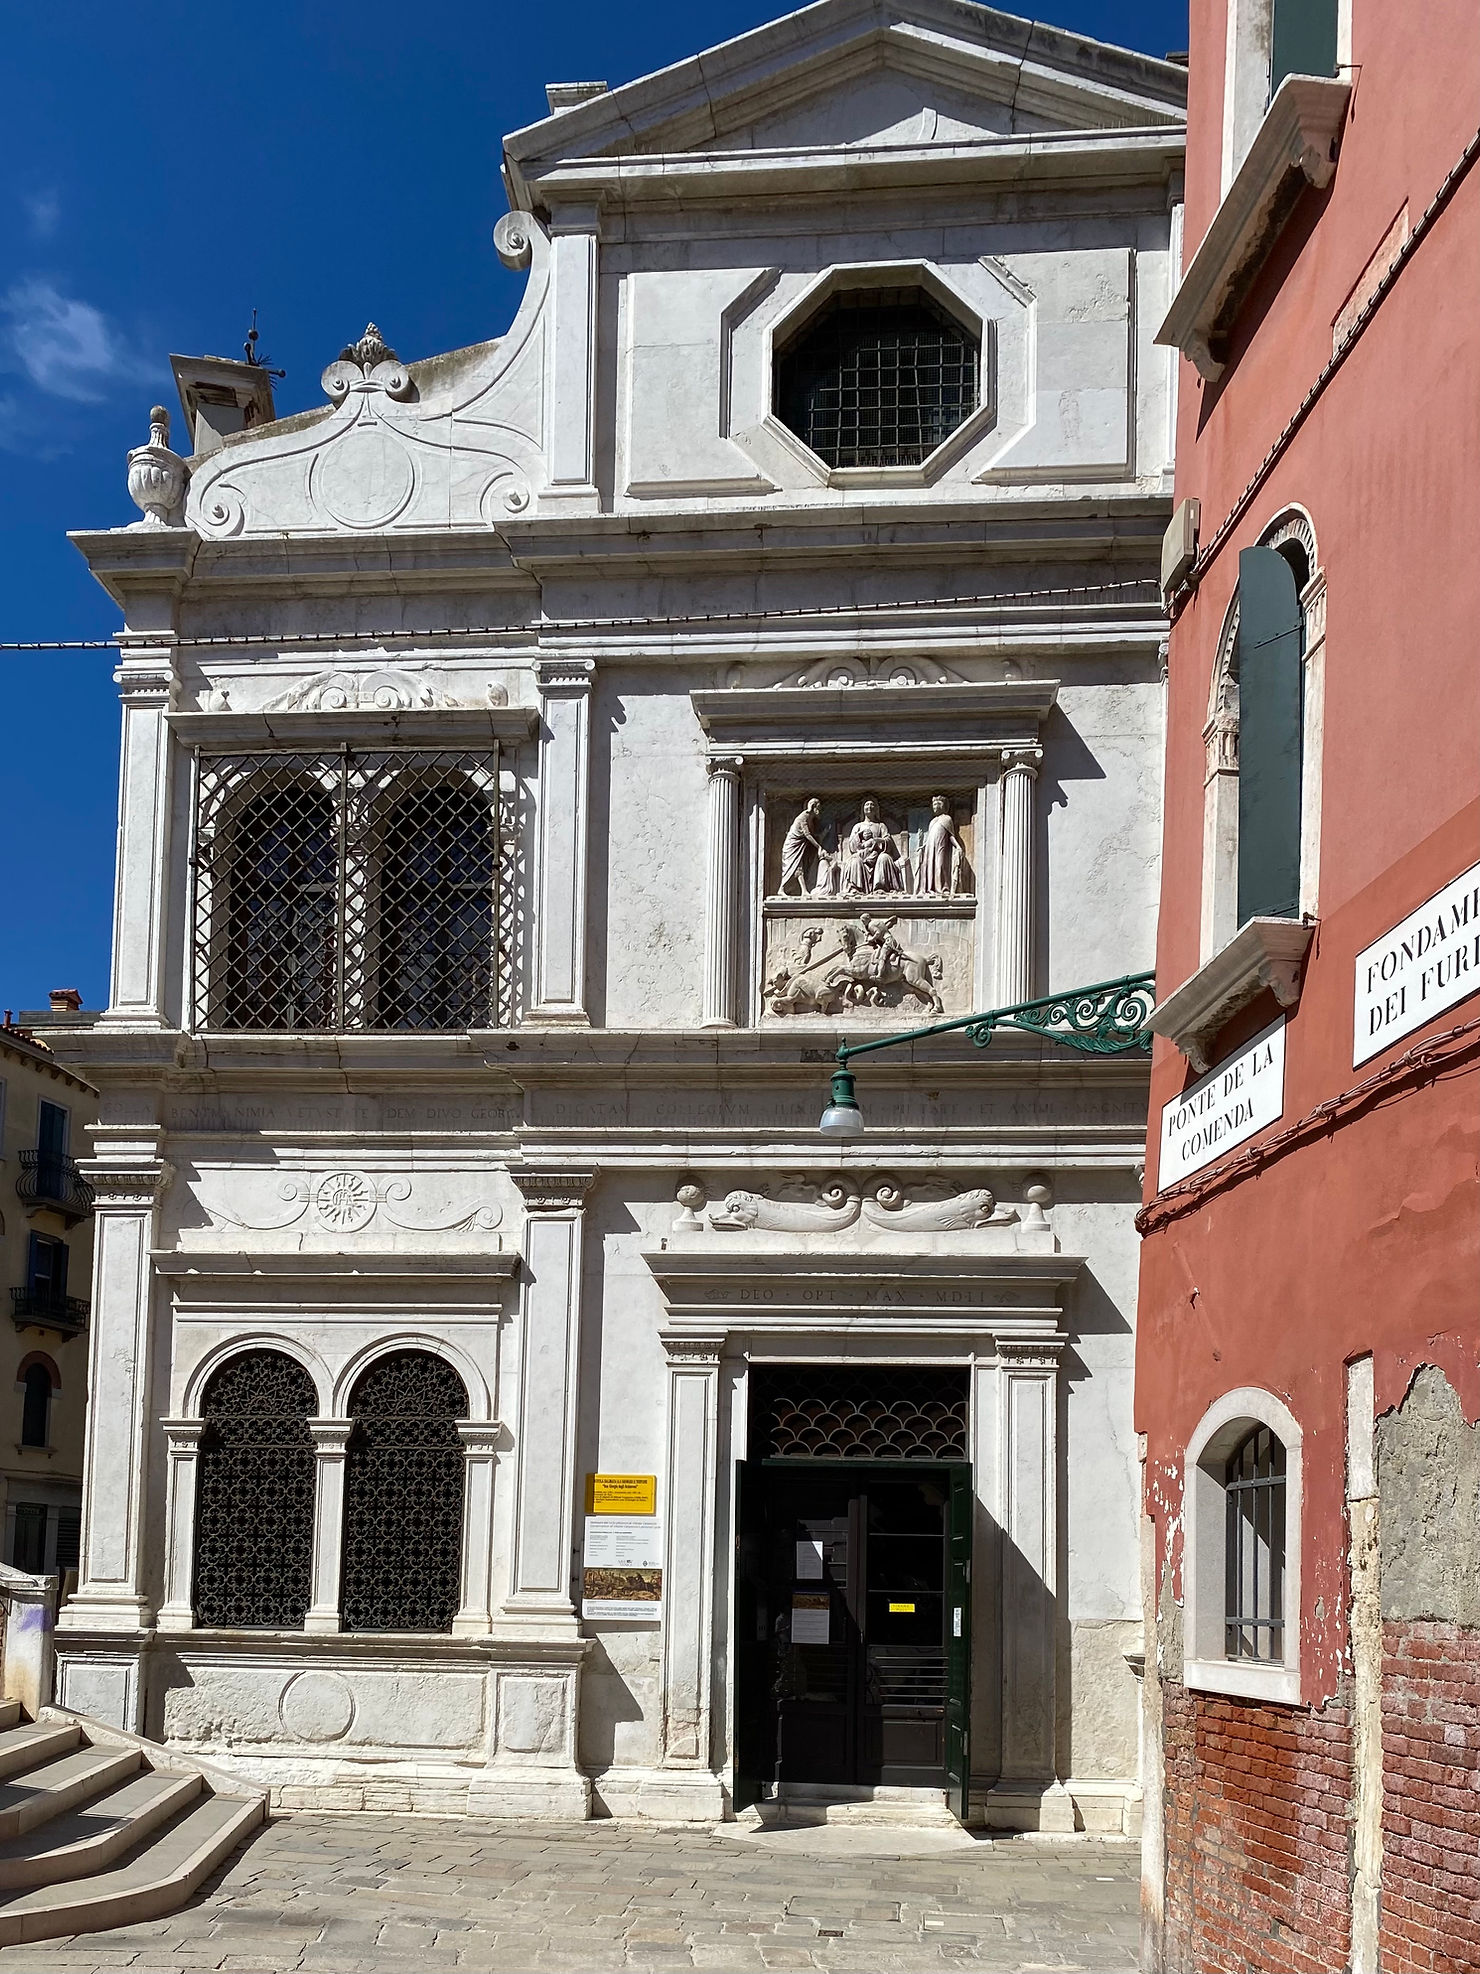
(807, 1806)
(91, 1838)
(163, 1874)
(38, 1794)
(30, 1745)
(10, 1713)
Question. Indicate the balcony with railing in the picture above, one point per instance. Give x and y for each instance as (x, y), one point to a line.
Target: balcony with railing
(38, 1308)
(51, 1179)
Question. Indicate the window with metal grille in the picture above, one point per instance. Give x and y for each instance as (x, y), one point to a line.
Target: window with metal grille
(348, 890)
(1254, 1554)
(254, 1495)
(36, 1407)
(878, 378)
(403, 1496)
(436, 909)
(858, 1412)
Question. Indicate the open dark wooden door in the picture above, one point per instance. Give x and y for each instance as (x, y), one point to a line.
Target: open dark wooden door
(960, 1516)
(754, 1739)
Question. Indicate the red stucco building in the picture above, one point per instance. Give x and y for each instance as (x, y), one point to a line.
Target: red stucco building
(1307, 1383)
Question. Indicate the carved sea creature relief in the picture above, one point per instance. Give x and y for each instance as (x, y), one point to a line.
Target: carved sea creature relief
(839, 1203)
(867, 968)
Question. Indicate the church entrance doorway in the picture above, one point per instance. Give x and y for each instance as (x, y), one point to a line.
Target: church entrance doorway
(852, 1609)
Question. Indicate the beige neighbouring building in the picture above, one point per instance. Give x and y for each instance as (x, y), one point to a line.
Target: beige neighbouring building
(46, 1269)
(535, 760)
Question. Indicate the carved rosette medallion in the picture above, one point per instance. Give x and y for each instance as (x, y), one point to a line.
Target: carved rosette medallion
(344, 1201)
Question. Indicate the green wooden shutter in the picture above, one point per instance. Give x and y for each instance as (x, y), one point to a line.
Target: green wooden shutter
(1303, 40)
(1270, 689)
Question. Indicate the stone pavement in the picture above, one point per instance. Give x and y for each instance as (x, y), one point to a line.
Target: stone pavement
(414, 1895)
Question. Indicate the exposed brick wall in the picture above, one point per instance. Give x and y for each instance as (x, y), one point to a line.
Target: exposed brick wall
(1256, 1836)
(1431, 1798)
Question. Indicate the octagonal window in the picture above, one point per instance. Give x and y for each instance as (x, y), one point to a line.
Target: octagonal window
(878, 377)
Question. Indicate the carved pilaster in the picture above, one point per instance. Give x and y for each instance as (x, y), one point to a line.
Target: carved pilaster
(560, 867)
(548, 1400)
(147, 684)
(722, 900)
(689, 1547)
(480, 1439)
(182, 1438)
(570, 438)
(127, 1189)
(331, 1439)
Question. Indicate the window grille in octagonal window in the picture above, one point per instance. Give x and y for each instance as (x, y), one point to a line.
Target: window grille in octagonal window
(254, 1498)
(403, 1496)
(878, 378)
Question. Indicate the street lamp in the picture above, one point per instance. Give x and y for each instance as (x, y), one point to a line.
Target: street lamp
(1107, 1019)
(842, 1118)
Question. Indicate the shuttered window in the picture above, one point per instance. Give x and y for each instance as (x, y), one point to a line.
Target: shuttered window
(1270, 695)
(1302, 39)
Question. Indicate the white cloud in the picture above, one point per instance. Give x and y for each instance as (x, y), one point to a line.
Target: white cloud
(65, 347)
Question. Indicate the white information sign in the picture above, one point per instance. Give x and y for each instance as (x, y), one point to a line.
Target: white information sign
(623, 1574)
(810, 1620)
(809, 1560)
(1422, 967)
(1232, 1102)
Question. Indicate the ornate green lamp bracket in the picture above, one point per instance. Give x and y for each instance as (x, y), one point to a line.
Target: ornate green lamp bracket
(1107, 1019)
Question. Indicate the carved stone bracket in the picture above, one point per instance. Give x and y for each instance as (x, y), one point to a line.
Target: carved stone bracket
(548, 1191)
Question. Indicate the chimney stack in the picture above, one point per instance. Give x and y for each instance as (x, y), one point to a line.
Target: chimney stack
(65, 1000)
(220, 396)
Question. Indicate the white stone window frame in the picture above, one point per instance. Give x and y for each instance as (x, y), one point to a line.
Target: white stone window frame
(1206, 1666)
(480, 1433)
(884, 274)
(1248, 50)
(1219, 914)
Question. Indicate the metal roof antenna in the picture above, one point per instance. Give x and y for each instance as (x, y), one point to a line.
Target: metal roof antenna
(250, 348)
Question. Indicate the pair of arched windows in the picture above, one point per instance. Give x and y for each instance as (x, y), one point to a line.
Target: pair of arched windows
(347, 892)
(403, 1495)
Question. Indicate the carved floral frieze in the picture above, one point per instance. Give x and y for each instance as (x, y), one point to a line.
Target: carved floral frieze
(348, 1202)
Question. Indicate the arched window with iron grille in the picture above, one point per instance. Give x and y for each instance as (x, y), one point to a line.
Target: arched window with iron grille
(277, 969)
(254, 1503)
(403, 1496)
(1254, 1555)
(436, 921)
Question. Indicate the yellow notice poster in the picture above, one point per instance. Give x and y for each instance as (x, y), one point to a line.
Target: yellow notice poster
(621, 1494)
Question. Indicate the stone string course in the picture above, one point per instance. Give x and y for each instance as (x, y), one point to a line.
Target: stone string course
(1431, 1798)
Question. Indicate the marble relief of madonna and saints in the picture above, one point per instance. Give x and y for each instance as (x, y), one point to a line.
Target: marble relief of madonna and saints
(884, 878)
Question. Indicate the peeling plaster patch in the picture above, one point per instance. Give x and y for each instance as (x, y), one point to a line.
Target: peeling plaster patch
(1428, 1470)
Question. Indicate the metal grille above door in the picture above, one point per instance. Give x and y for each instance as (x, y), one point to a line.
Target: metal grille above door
(403, 1496)
(254, 1495)
(348, 890)
(858, 1412)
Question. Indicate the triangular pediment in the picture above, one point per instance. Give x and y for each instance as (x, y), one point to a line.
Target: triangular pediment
(850, 73)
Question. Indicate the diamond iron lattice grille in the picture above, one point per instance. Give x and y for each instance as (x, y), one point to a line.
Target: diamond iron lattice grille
(255, 1495)
(403, 1499)
(878, 379)
(348, 890)
(867, 1412)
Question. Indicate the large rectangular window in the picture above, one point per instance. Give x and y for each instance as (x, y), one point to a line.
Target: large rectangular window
(347, 890)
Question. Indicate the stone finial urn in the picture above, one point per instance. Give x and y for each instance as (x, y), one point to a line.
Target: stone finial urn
(156, 476)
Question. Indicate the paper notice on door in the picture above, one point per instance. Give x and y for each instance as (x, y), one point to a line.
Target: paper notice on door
(811, 1616)
(809, 1560)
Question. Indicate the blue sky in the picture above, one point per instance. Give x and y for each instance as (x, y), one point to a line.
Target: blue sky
(164, 169)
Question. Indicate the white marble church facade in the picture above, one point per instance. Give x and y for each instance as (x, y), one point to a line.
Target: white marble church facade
(749, 741)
